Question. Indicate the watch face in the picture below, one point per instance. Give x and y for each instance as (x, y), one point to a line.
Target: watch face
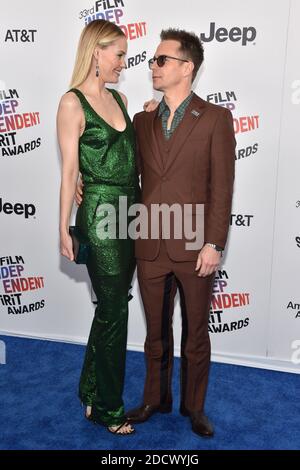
(216, 247)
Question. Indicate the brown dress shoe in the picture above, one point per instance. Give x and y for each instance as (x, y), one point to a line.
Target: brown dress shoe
(144, 412)
(201, 424)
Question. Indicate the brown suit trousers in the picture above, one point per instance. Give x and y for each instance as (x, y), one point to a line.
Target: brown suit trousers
(159, 281)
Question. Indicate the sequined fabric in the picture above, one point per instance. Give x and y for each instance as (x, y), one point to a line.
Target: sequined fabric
(107, 165)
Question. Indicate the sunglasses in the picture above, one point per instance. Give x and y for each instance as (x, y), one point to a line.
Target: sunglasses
(161, 60)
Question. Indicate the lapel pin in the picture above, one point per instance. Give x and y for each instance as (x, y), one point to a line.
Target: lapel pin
(195, 113)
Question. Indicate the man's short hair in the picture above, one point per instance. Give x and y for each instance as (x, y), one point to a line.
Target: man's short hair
(190, 46)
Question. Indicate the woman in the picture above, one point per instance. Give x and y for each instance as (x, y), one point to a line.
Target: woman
(96, 137)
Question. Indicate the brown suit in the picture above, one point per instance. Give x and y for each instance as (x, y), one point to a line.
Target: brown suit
(195, 166)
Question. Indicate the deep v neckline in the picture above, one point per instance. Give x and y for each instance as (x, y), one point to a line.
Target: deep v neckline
(100, 117)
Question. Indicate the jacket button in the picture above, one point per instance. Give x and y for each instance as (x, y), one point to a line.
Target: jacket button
(164, 178)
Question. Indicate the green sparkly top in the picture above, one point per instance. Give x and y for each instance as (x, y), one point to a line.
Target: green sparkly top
(106, 155)
(108, 168)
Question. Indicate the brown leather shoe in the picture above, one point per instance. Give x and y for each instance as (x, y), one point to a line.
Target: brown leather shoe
(144, 412)
(201, 424)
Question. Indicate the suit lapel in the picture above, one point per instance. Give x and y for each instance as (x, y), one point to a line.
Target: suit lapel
(192, 114)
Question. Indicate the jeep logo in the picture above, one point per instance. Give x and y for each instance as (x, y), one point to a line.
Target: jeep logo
(28, 210)
(235, 34)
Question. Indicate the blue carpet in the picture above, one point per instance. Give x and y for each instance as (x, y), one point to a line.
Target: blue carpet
(250, 408)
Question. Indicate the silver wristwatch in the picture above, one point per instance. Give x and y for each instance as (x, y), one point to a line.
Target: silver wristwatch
(216, 247)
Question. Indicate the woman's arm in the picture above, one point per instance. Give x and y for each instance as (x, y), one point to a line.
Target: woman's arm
(69, 124)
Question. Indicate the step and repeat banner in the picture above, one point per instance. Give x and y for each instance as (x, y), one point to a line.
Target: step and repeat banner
(251, 67)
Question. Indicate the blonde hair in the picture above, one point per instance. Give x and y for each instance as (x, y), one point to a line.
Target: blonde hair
(97, 32)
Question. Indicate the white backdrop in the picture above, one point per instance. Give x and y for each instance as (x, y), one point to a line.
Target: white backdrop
(251, 65)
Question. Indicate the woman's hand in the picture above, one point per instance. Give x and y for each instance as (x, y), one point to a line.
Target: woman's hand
(66, 246)
(150, 105)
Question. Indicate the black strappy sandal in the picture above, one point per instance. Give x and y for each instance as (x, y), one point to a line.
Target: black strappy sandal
(115, 431)
(89, 417)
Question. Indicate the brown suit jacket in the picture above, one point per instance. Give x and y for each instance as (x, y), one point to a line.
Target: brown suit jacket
(197, 168)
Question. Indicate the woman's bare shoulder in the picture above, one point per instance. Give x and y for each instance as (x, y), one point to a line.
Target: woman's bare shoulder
(124, 99)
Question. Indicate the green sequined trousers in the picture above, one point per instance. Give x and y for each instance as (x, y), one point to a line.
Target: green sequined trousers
(107, 165)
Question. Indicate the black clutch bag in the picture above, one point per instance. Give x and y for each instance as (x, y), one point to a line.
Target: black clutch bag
(81, 247)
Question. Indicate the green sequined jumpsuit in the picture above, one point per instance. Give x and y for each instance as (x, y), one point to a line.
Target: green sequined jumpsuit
(107, 165)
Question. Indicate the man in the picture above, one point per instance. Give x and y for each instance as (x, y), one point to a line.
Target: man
(185, 156)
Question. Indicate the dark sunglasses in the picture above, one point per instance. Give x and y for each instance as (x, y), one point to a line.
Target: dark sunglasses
(161, 60)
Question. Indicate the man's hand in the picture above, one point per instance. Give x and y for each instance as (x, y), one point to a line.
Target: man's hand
(208, 261)
(79, 191)
(150, 105)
